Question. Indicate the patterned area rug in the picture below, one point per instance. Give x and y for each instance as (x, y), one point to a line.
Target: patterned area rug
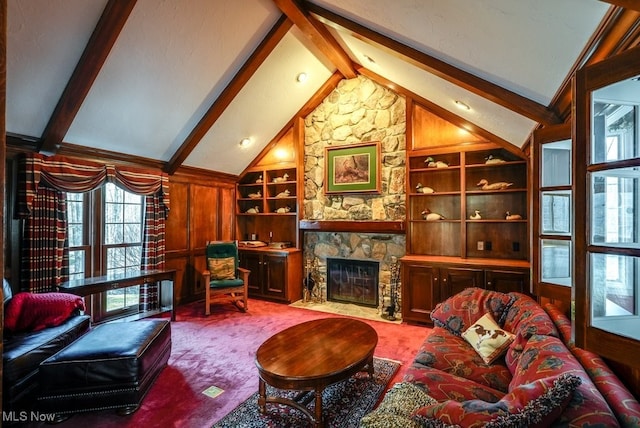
(344, 403)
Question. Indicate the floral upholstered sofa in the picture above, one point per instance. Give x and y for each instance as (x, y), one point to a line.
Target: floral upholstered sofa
(500, 359)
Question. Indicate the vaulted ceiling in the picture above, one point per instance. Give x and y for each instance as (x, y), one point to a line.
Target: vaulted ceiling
(181, 82)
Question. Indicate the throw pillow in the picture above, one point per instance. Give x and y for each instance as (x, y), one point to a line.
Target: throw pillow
(397, 406)
(535, 404)
(461, 310)
(488, 339)
(37, 311)
(223, 268)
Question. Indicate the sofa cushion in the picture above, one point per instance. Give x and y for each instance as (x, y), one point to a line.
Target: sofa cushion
(446, 386)
(545, 356)
(488, 339)
(450, 353)
(460, 311)
(535, 404)
(37, 311)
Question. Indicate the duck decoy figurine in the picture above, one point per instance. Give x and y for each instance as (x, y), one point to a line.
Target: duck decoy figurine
(285, 177)
(489, 160)
(498, 185)
(283, 210)
(510, 216)
(432, 163)
(424, 189)
(254, 210)
(284, 194)
(476, 215)
(428, 215)
(259, 180)
(256, 195)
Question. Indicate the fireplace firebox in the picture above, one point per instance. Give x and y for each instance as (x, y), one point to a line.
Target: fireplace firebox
(353, 281)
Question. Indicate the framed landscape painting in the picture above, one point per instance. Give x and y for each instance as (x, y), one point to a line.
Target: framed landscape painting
(353, 169)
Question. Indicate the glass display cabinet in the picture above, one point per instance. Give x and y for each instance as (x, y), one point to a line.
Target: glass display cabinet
(607, 175)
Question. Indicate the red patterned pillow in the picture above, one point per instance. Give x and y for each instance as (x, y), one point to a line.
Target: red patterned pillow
(462, 310)
(36, 311)
(535, 404)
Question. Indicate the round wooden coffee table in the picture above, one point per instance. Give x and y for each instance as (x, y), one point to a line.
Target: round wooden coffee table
(311, 356)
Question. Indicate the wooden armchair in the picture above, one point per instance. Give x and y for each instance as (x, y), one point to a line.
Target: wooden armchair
(223, 277)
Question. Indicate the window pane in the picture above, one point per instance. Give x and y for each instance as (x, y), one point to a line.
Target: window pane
(614, 200)
(614, 281)
(614, 129)
(132, 213)
(556, 213)
(113, 234)
(133, 257)
(556, 262)
(76, 264)
(132, 198)
(113, 213)
(556, 162)
(75, 234)
(113, 193)
(115, 258)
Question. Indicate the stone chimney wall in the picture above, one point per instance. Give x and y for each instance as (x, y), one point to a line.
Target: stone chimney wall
(358, 110)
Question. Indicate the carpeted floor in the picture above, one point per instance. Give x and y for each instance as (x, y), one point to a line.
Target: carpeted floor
(343, 403)
(219, 351)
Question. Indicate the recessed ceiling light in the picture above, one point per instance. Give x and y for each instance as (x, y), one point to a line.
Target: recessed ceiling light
(462, 105)
(245, 142)
(302, 77)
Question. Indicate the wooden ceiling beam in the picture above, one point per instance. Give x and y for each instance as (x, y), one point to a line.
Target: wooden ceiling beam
(443, 113)
(627, 4)
(495, 93)
(218, 107)
(319, 35)
(104, 36)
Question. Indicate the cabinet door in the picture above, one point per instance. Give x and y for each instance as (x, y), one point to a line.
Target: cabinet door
(420, 291)
(253, 262)
(506, 281)
(275, 275)
(454, 280)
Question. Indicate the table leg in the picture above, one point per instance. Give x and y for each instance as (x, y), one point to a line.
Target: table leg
(262, 396)
(319, 421)
(370, 368)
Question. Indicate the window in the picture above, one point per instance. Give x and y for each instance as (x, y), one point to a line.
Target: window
(116, 247)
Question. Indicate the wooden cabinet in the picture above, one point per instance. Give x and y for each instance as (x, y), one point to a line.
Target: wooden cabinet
(481, 199)
(275, 274)
(426, 281)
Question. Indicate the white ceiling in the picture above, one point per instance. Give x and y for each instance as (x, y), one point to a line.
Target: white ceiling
(174, 58)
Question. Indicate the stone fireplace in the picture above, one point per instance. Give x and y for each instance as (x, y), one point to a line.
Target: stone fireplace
(353, 248)
(353, 281)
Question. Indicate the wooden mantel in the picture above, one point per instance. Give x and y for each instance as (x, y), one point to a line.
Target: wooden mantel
(353, 226)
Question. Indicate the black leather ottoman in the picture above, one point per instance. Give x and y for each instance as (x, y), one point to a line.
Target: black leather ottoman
(111, 367)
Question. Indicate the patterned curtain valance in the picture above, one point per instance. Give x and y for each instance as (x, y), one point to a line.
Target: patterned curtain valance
(79, 175)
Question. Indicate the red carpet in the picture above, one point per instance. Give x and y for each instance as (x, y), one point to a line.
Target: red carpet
(219, 350)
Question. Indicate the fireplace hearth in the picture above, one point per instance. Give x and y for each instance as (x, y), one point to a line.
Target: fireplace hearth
(353, 281)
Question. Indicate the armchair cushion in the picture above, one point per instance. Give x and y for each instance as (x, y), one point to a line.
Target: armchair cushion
(36, 311)
(223, 268)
